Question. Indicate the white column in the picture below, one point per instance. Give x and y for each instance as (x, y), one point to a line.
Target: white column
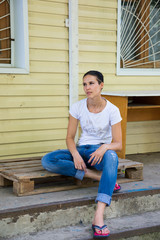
(73, 51)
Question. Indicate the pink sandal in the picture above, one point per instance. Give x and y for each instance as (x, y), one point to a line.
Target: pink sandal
(117, 188)
(99, 235)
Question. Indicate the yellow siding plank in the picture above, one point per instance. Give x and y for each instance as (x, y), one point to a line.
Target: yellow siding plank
(95, 46)
(97, 12)
(22, 90)
(32, 136)
(143, 138)
(49, 7)
(35, 79)
(29, 148)
(48, 31)
(142, 148)
(11, 157)
(56, 1)
(46, 19)
(61, 44)
(48, 55)
(33, 124)
(96, 57)
(52, 67)
(110, 68)
(31, 113)
(97, 35)
(143, 127)
(95, 23)
(99, 3)
(33, 101)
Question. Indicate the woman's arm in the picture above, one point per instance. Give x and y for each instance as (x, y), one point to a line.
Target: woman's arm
(115, 145)
(71, 132)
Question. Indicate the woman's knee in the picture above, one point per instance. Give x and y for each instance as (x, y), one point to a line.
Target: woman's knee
(48, 158)
(111, 157)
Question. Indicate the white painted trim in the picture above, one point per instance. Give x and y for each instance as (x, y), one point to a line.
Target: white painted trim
(133, 71)
(73, 55)
(73, 51)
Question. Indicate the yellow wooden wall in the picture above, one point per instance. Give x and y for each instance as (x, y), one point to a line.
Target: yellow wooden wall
(34, 107)
(97, 50)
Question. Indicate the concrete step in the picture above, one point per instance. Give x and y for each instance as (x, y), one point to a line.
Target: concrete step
(136, 227)
(59, 214)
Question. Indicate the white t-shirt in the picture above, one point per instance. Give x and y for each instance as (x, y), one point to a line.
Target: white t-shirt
(96, 127)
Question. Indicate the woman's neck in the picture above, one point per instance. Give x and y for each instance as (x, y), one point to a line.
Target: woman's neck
(96, 105)
(95, 102)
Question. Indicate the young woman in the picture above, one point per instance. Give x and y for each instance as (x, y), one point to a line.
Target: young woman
(101, 136)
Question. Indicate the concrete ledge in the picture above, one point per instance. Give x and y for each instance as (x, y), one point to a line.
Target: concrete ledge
(63, 205)
(67, 213)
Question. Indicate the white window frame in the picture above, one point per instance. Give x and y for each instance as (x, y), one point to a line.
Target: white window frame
(135, 71)
(19, 32)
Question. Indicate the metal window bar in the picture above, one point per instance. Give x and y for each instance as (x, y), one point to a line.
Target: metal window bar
(5, 38)
(141, 41)
(144, 28)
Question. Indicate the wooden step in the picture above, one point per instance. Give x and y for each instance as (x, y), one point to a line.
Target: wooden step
(25, 173)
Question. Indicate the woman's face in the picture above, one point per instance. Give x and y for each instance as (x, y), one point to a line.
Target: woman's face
(91, 86)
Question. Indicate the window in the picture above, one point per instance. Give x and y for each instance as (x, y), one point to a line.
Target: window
(5, 37)
(138, 43)
(14, 47)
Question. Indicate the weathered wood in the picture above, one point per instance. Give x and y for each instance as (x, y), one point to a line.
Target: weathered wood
(134, 173)
(4, 182)
(25, 174)
(23, 187)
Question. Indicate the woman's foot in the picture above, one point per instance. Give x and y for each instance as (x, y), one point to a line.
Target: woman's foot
(98, 220)
(98, 231)
(117, 188)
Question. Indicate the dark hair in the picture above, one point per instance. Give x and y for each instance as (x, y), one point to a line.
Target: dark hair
(97, 74)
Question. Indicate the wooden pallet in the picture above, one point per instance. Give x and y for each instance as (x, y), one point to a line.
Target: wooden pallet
(25, 173)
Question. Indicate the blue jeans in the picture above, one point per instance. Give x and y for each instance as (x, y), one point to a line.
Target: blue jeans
(61, 161)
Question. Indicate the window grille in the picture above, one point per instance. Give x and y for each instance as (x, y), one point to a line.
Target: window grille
(5, 36)
(139, 34)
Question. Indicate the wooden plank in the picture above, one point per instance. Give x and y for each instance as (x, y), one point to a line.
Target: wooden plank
(48, 31)
(96, 23)
(96, 57)
(142, 148)
(103, 67)
(96, 46)
(40, 43)
(47, 19)
(33, 113)
(23, 187)
(16, 149)
(33, 124)
(99, 3)
(35, 79)
(97, 35)
(97, 12)
(33, 136)
(49, 55)
(49, 67)
(143, 127)
(143, 138)
(33, 90)
(11, 161)
(33, 101)
(50, 7)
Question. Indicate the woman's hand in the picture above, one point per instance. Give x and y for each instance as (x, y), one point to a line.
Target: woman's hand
(96, 157)
(78, 162)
